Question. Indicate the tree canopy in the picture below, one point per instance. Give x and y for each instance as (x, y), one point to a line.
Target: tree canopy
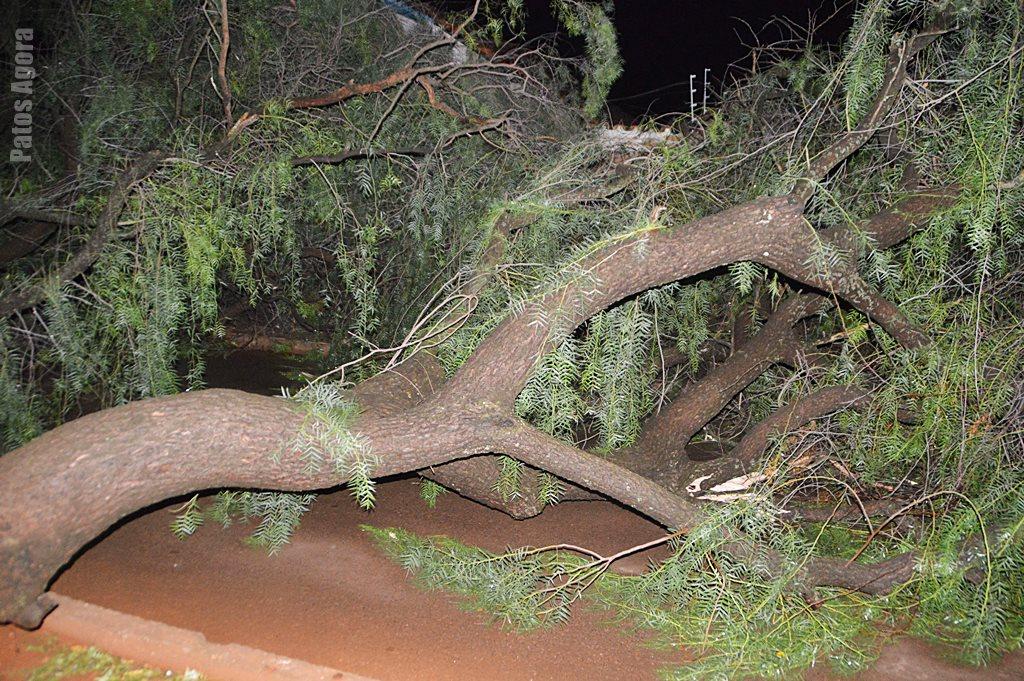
(788, 330)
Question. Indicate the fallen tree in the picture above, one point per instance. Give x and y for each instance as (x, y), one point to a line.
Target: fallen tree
(470, 414)
(456, 422)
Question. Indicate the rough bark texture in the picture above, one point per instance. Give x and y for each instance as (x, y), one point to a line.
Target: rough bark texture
(24, 240)
(796, 414)
(668, 432)
(900, 56)
(105, 228)
(771, 231)
(69, 485)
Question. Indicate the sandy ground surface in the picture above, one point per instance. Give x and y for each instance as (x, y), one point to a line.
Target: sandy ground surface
(332, 599)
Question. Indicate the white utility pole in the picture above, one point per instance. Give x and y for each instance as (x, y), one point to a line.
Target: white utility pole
(704, 105)
(693, 90)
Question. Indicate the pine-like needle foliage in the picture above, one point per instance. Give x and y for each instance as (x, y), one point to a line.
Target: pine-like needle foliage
(396, 237)
(76, 662)
(943, 431)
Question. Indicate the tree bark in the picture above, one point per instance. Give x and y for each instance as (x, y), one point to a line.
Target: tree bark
(106, 226)
(72, 483)
(69, 485)
(796, 414)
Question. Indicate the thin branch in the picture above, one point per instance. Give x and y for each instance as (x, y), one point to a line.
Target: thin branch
(1011, 184)
(429, 87)
(353, 89)
(94, 245)
(222, 62)
(896, 74)
(9, 213)
(492, 124)
(358, 154)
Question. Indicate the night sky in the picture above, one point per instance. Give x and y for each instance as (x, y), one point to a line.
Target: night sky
(663, 41)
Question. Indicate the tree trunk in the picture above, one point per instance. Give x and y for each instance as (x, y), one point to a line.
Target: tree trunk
(69, 485)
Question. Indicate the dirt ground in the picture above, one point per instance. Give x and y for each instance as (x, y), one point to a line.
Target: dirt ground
(332, 599)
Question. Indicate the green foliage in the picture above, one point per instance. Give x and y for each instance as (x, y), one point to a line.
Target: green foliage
(20, 417)
(277, 515)
(551, 398)
(604, 63)
(867, 50)
(744, 274)
(325, 438)
(205, 232)
(430, 491)
(549, 489)
(978, 612)
(74, 662)
(510, 478)
(189, 519)
(618, 369)
(738, 621)
(505, 586)
(689, 320)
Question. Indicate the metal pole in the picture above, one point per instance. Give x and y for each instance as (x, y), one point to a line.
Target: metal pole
(704, 105)
(693, 116)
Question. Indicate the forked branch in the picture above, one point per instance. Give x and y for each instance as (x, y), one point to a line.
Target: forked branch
(900, 56)
(106, 227)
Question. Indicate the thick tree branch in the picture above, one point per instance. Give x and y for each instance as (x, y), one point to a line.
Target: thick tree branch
(52, 217)
(667, 433)
(661, 449)
(846, 512)
(129, 457)
(770, 231)
(592, 472)
(24, 239)
(660, 452)
(126, 458)
(900, 56)
(796, 414)
(105, 228)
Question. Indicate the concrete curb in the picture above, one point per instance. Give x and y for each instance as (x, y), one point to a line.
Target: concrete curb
(165, 647)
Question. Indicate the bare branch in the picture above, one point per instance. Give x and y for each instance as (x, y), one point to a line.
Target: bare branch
(9, 213)
(222, 63)
(349, 155)
(900, 57)
(797, 413)
(770, 231)
(94, 245)
(666, 434)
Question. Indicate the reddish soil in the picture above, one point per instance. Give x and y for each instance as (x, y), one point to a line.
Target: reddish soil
(331, 598)
(158, 646)
(16, 651)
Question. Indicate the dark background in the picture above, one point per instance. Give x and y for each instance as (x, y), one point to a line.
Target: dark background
(663, 41)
